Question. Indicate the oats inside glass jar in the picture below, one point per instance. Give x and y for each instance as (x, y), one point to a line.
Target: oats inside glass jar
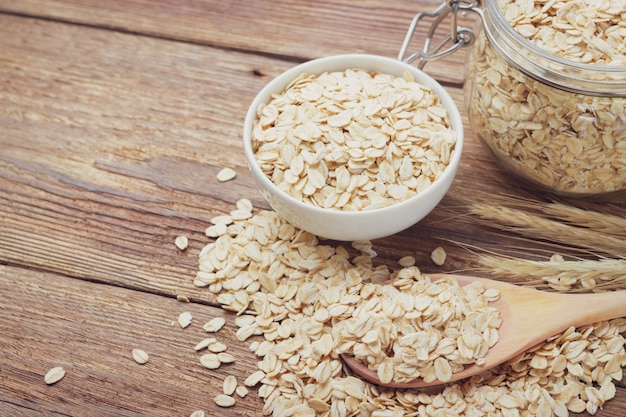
(567, 138)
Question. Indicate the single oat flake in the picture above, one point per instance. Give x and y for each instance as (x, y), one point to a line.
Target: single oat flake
(438, 256)
(214, 325)
(185, 319)
(226, 174)
(210, 361)
(229, 385)
(225, 357)
(54, 375)
(224, 400)
(241, 391)
(181, 242)
(140, 356)
(182, 298)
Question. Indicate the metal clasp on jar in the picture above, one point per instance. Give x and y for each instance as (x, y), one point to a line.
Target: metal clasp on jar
(457, 37)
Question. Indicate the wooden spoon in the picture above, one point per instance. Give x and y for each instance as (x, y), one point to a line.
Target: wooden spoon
(529, 317)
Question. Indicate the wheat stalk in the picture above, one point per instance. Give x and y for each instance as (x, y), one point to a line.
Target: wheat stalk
(576, 216)
(558, 274)
(538, 227)
(562, 225)
(599, 222)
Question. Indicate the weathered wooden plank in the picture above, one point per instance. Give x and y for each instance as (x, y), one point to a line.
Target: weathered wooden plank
(314, 29)
(110, 149)
(90, 330)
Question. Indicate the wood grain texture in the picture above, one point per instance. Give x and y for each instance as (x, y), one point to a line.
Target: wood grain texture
(123, 145)
(295, 30)
(90, 330)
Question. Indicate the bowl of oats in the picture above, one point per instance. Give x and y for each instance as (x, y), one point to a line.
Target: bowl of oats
(353, 147)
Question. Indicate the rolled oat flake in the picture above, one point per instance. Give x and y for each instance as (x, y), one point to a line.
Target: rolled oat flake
(54, 375)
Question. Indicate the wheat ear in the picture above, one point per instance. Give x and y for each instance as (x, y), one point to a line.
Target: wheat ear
(558, 274)
(599, 222)
(538, 227)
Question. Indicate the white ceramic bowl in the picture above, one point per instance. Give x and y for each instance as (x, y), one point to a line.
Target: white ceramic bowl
(353, 225)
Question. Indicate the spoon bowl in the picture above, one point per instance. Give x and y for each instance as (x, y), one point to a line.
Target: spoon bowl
(529, 317)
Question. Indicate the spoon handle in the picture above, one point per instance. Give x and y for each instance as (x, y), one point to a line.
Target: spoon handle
(533, 316)
(586, 309)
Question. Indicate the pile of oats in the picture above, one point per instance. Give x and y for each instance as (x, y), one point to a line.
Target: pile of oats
(290, 293)
(567, 142)
(353, 140)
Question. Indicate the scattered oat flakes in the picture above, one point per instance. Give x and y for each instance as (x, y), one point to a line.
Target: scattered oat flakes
(438, 256)
(182, 298)
(226, 174)
(54, 375)
(181, 242)
(140, 356)
(197, 413)
(185, 319)
(224, 400)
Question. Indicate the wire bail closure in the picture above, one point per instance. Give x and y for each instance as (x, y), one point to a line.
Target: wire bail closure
(458, 37)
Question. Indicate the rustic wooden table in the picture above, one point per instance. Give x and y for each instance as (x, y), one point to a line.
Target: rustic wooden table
(115, 118)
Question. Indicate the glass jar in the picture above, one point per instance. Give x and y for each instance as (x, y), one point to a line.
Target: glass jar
(556, 123)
